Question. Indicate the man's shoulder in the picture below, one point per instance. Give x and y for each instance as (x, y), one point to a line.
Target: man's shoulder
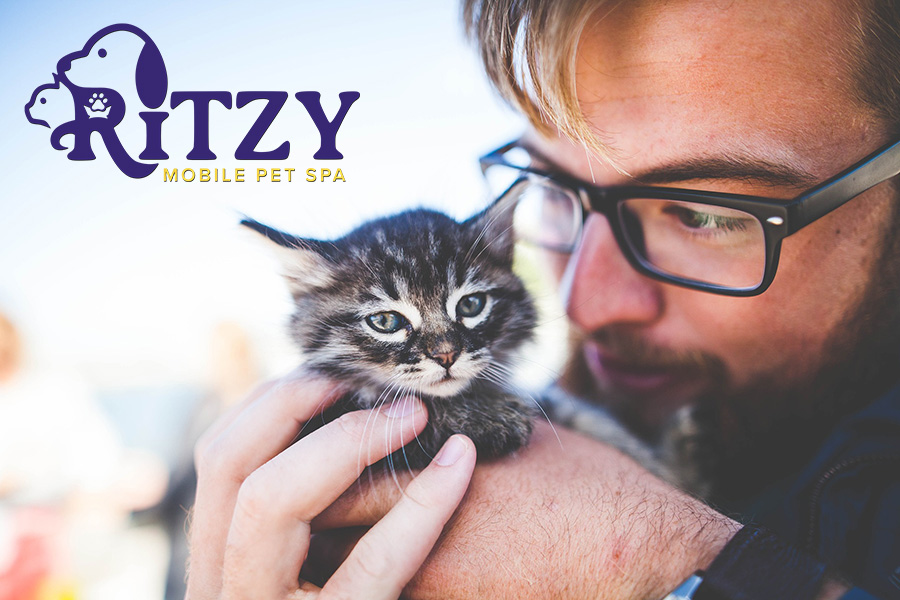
(876, 428)
(846, 501)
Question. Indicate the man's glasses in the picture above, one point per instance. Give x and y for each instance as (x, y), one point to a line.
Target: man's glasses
(717, 242)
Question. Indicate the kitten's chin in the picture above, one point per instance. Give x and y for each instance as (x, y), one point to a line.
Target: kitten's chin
(445, 388)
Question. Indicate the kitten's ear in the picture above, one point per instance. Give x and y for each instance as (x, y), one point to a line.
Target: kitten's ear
(306, 267)
(492, 230)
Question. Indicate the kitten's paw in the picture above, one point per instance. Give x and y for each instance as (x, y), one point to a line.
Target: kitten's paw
(505, 431)
(497, 426)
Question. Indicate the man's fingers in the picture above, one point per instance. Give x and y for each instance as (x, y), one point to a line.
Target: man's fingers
(264, 427)
(269, 535)
(227, 418)
(387, 557)
(240, 443)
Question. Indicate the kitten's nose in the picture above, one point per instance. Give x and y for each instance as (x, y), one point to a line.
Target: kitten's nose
(445, 359)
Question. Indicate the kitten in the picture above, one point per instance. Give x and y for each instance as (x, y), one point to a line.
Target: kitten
(417, 303)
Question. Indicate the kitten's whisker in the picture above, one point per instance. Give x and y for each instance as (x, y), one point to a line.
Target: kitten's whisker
(506, 369)
(421, 447)
(491, 376)
(555, 374)
(501, 378)
(481, 235)
(364, 262)
(400, 390)
(390, 385)
(547, 418)
(488, 245)
(320, 411)
(392, 390)
(387, 436)
(551, 318)
(379, 402)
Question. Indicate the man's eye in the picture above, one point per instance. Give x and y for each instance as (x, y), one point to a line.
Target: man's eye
(471, 305)
(387, 322)
(696, 219)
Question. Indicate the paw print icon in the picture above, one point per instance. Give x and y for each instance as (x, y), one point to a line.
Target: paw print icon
(97, 105)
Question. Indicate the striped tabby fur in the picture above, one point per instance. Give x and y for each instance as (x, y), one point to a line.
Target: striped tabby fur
(422, 265)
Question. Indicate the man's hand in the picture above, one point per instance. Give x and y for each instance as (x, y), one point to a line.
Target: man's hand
(567, 517)
(257, 494)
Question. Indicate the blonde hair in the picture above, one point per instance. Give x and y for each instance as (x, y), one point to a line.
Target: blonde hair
(878, 59)
(529, 49)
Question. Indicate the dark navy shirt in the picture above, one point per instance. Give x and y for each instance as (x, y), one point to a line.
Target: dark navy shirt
(844, 507)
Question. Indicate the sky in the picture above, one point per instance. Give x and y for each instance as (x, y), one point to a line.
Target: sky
(123, 280)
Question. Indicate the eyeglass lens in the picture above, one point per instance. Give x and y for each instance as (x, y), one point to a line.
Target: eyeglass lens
(687, 240)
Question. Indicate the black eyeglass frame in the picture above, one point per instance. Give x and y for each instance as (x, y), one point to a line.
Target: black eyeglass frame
(779, 218)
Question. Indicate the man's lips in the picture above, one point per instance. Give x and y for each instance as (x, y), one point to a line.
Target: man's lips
(645, 384)
(632, 377)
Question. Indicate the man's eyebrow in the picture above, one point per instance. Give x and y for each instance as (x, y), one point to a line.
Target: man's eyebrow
(734, 168)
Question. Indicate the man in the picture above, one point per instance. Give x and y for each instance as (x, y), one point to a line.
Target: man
(764, 99)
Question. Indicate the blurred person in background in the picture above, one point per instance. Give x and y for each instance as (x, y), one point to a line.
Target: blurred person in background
(233, 372)
(67, 483)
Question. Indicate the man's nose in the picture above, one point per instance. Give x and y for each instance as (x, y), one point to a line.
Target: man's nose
(600, 286)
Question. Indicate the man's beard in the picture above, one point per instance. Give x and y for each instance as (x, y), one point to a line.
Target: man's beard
(758, 433)
(767, 431)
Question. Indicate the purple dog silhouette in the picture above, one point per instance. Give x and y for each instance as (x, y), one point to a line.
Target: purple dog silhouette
(98, 107)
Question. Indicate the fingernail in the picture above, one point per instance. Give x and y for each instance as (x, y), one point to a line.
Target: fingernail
(403, 407)
(451, 452)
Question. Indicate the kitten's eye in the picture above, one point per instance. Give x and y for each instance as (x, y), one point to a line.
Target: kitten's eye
(387, 322)
(471, 305)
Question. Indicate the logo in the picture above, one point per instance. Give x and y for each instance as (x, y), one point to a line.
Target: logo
(121, 65)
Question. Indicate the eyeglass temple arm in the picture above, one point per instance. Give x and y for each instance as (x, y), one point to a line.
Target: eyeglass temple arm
(848, 184)
(495, 157)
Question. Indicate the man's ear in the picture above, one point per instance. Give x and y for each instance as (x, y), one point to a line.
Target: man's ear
(306, 266)
(492, 230)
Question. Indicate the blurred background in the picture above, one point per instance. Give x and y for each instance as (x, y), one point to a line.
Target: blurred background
(134, 311)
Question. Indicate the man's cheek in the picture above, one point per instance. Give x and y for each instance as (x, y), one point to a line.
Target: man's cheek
(742, 333)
